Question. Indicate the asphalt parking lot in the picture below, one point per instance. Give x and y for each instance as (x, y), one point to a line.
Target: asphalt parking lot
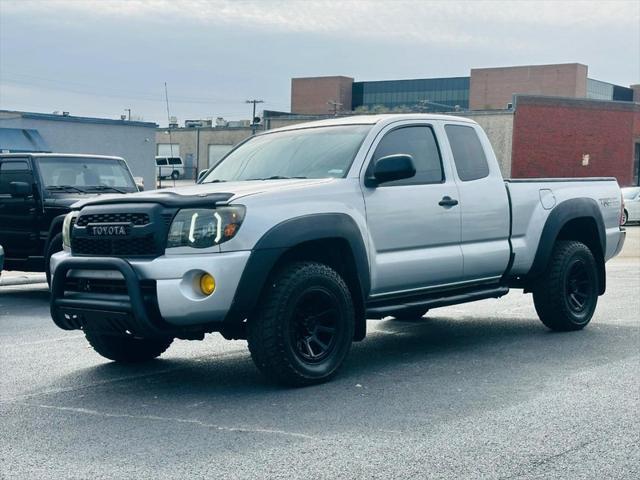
(478, 390)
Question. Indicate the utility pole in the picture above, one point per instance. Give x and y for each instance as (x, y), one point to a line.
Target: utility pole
(335, 106)
(128, 110)
(253, 117)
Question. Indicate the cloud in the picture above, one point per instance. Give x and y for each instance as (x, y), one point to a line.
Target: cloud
(462, 22)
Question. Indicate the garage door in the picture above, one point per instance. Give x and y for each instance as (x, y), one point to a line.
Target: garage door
(216, 152)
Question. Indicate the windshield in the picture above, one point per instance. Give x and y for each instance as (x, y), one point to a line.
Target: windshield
(306, 153)
(86, 174)
(629, 193)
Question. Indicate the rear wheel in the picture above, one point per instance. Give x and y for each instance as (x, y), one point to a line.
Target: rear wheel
(567, 293)
(304, 328)
(625, 217)
(127, 349)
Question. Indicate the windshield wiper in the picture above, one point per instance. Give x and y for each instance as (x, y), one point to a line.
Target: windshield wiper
(65, 188)
(277, 177)
(106, 187)
(216, 180)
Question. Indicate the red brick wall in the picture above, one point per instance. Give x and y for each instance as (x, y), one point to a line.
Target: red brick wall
(551, 136)
(311, 95)
(493, 88)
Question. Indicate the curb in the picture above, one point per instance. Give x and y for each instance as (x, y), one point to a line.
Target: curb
(15, 280)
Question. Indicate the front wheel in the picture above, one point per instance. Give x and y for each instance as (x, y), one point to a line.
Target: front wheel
(566, 295)
(126, 348)
(175, 175)
(304, 327)
(625, 217)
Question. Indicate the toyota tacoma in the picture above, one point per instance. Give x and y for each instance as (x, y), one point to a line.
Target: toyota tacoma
(301, 234)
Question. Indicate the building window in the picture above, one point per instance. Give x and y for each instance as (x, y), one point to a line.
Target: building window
(168, 150)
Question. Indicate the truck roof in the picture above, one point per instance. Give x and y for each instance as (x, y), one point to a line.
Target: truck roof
(58, 155)
(372, 120)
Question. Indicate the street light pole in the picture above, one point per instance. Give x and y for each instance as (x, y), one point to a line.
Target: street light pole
(128, 110)
(253, 117)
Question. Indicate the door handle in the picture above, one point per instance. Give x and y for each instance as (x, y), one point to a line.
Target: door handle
(447, 201)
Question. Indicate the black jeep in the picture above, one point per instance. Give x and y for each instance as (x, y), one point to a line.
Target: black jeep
(37, 191)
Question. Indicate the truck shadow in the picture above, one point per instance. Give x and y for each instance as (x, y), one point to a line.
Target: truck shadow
(441, 353)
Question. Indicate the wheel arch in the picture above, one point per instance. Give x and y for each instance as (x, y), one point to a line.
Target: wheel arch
(54, 229)
(577, 219)
(332, 238)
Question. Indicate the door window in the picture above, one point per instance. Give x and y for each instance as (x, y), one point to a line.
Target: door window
(419, 142)
(14, 171)
(468, 154)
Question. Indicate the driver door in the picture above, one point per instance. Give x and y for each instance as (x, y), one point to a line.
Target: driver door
(18, 215)
(414, 239)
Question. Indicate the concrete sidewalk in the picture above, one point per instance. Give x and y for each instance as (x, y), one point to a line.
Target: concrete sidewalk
(12, 278)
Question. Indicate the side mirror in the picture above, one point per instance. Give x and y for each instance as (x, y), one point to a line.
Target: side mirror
(393, 167)
(20, 189)
(202, 174)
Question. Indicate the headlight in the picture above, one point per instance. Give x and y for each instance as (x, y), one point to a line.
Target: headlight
(66, 228)
(203, 228)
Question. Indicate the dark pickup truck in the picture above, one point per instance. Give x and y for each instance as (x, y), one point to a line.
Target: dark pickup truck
(37, 191)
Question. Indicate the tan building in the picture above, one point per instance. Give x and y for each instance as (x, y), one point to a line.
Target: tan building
(321, 95)
(493, 88)
(199, 148)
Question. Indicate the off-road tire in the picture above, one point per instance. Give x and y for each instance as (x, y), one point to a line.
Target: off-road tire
(55, 246)
(410, 314)
(554, 293)
(272, 330)
(127, 349)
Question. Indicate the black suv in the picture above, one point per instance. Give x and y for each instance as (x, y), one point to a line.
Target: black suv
(37, 191)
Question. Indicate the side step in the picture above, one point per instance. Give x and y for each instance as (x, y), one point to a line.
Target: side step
(437, 300)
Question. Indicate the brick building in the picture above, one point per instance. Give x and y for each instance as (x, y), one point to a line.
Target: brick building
(569, 137)
(483, 89)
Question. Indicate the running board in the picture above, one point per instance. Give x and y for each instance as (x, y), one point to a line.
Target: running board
(442, 300)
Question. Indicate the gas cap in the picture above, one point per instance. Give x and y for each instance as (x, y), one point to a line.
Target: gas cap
(547, 198)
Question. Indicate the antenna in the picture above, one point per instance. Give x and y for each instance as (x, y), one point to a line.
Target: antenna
(166, 97)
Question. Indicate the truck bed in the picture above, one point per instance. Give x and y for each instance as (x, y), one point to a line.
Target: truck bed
(533, 200)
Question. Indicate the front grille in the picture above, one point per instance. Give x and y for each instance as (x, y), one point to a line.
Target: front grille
(107, 286)
(131, 246)
(133, 218)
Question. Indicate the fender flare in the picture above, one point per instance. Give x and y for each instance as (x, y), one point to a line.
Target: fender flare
(563, 213)
(283, 237)
(56, 225)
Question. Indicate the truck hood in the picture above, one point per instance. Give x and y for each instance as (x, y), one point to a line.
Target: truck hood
(212, 192)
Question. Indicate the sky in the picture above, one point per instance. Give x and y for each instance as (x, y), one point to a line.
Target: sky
(100, 57)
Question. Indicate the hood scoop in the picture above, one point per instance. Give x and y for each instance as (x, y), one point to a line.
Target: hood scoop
(166, 199)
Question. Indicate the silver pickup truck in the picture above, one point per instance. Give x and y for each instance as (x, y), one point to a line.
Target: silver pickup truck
(301, 234)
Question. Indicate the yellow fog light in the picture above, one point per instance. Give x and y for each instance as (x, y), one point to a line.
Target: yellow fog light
(207, 284)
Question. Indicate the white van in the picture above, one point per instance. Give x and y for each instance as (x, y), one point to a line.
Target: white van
(170, 167)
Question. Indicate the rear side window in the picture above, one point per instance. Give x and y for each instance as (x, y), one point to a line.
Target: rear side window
(175, 161)
(468, 154)
(14, 171)
(420, 143)
(161, 161)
